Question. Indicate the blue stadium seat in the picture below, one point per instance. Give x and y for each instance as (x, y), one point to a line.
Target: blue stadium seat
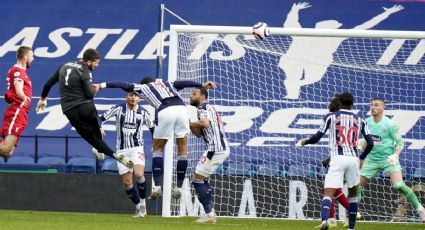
(21, 160)
(302, 170)
(82, 165)
(239, 169)
(53, 162)
(109, 166)
(270, 170)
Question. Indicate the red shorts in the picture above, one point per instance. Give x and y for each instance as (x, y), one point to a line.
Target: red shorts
(15, 121)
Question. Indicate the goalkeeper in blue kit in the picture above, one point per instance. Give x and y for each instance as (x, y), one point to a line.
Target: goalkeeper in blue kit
(388, 145)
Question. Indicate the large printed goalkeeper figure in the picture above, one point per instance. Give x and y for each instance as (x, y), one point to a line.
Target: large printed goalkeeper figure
(388, 145)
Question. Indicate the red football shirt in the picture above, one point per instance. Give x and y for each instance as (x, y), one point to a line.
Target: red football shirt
(16, 72)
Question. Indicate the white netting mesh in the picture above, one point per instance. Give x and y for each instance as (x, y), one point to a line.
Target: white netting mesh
(273, 93)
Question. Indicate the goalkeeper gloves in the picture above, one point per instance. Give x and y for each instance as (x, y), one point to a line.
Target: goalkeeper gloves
(392, 159)
(41, 105)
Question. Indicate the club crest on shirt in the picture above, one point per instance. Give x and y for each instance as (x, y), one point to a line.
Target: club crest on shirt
(384, 130)
(17, 74)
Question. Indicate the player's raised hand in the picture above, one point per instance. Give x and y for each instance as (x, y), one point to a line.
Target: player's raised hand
(394, 9)
(41, 105)
(300, 5)
(302, 143)
(209, 85)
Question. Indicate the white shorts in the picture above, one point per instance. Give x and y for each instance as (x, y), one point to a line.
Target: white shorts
(341, 167)
(206, 167)
(136, 154)
(172, 122)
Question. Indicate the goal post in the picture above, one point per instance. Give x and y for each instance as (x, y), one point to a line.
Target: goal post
(273, 93)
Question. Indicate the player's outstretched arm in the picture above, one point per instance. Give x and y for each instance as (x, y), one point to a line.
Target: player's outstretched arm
(369, 146)
(313, 139)
(42, 103)
(379, 18)
(129, 87)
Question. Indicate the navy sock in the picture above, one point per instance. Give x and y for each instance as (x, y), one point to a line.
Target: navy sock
(203, 196)
(157, 168)
(352, 212)
(326, 204)
(181, 170)
(141, 186)
(132, 194)
(209, 191)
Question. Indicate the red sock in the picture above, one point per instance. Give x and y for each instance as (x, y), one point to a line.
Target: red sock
(341, 198)
(332, 210)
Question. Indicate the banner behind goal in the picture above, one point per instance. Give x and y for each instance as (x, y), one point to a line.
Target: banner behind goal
(272, 93)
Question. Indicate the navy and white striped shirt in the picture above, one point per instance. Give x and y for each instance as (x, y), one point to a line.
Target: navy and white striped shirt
(214, 135)
(159, 94)
(344, 127)
(129, 125)
(156, 92)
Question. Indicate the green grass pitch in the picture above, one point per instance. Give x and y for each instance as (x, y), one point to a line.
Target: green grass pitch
(33, 220)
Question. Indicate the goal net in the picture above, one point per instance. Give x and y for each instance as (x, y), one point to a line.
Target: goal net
(273, 93)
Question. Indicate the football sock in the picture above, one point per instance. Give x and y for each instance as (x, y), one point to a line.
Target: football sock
(157, 167)
(202, 191)
(341, 198)
(332, 209)
(352, 212)
(181, 170)
(132, 194)
(326, 203)
(409, 194)
(141, 186)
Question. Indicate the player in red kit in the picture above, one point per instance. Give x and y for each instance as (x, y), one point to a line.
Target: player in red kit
(18, 96)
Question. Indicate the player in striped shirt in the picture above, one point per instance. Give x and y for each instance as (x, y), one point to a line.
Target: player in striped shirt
(344, 127)
(130, 121)
(210, 127)
(171, 120)
(385, 153)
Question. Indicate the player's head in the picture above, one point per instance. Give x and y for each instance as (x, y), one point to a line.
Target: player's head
(147, 80)
(132, 99)
(346, 100)
(91, 57)
(377, 106)
(25, 54)
(199, 95)
(334, 104)
(328, 24)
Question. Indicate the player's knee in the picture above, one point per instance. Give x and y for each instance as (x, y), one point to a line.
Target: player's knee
(139, 174)
(126, 180)
(6, 151)
(127, 183)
